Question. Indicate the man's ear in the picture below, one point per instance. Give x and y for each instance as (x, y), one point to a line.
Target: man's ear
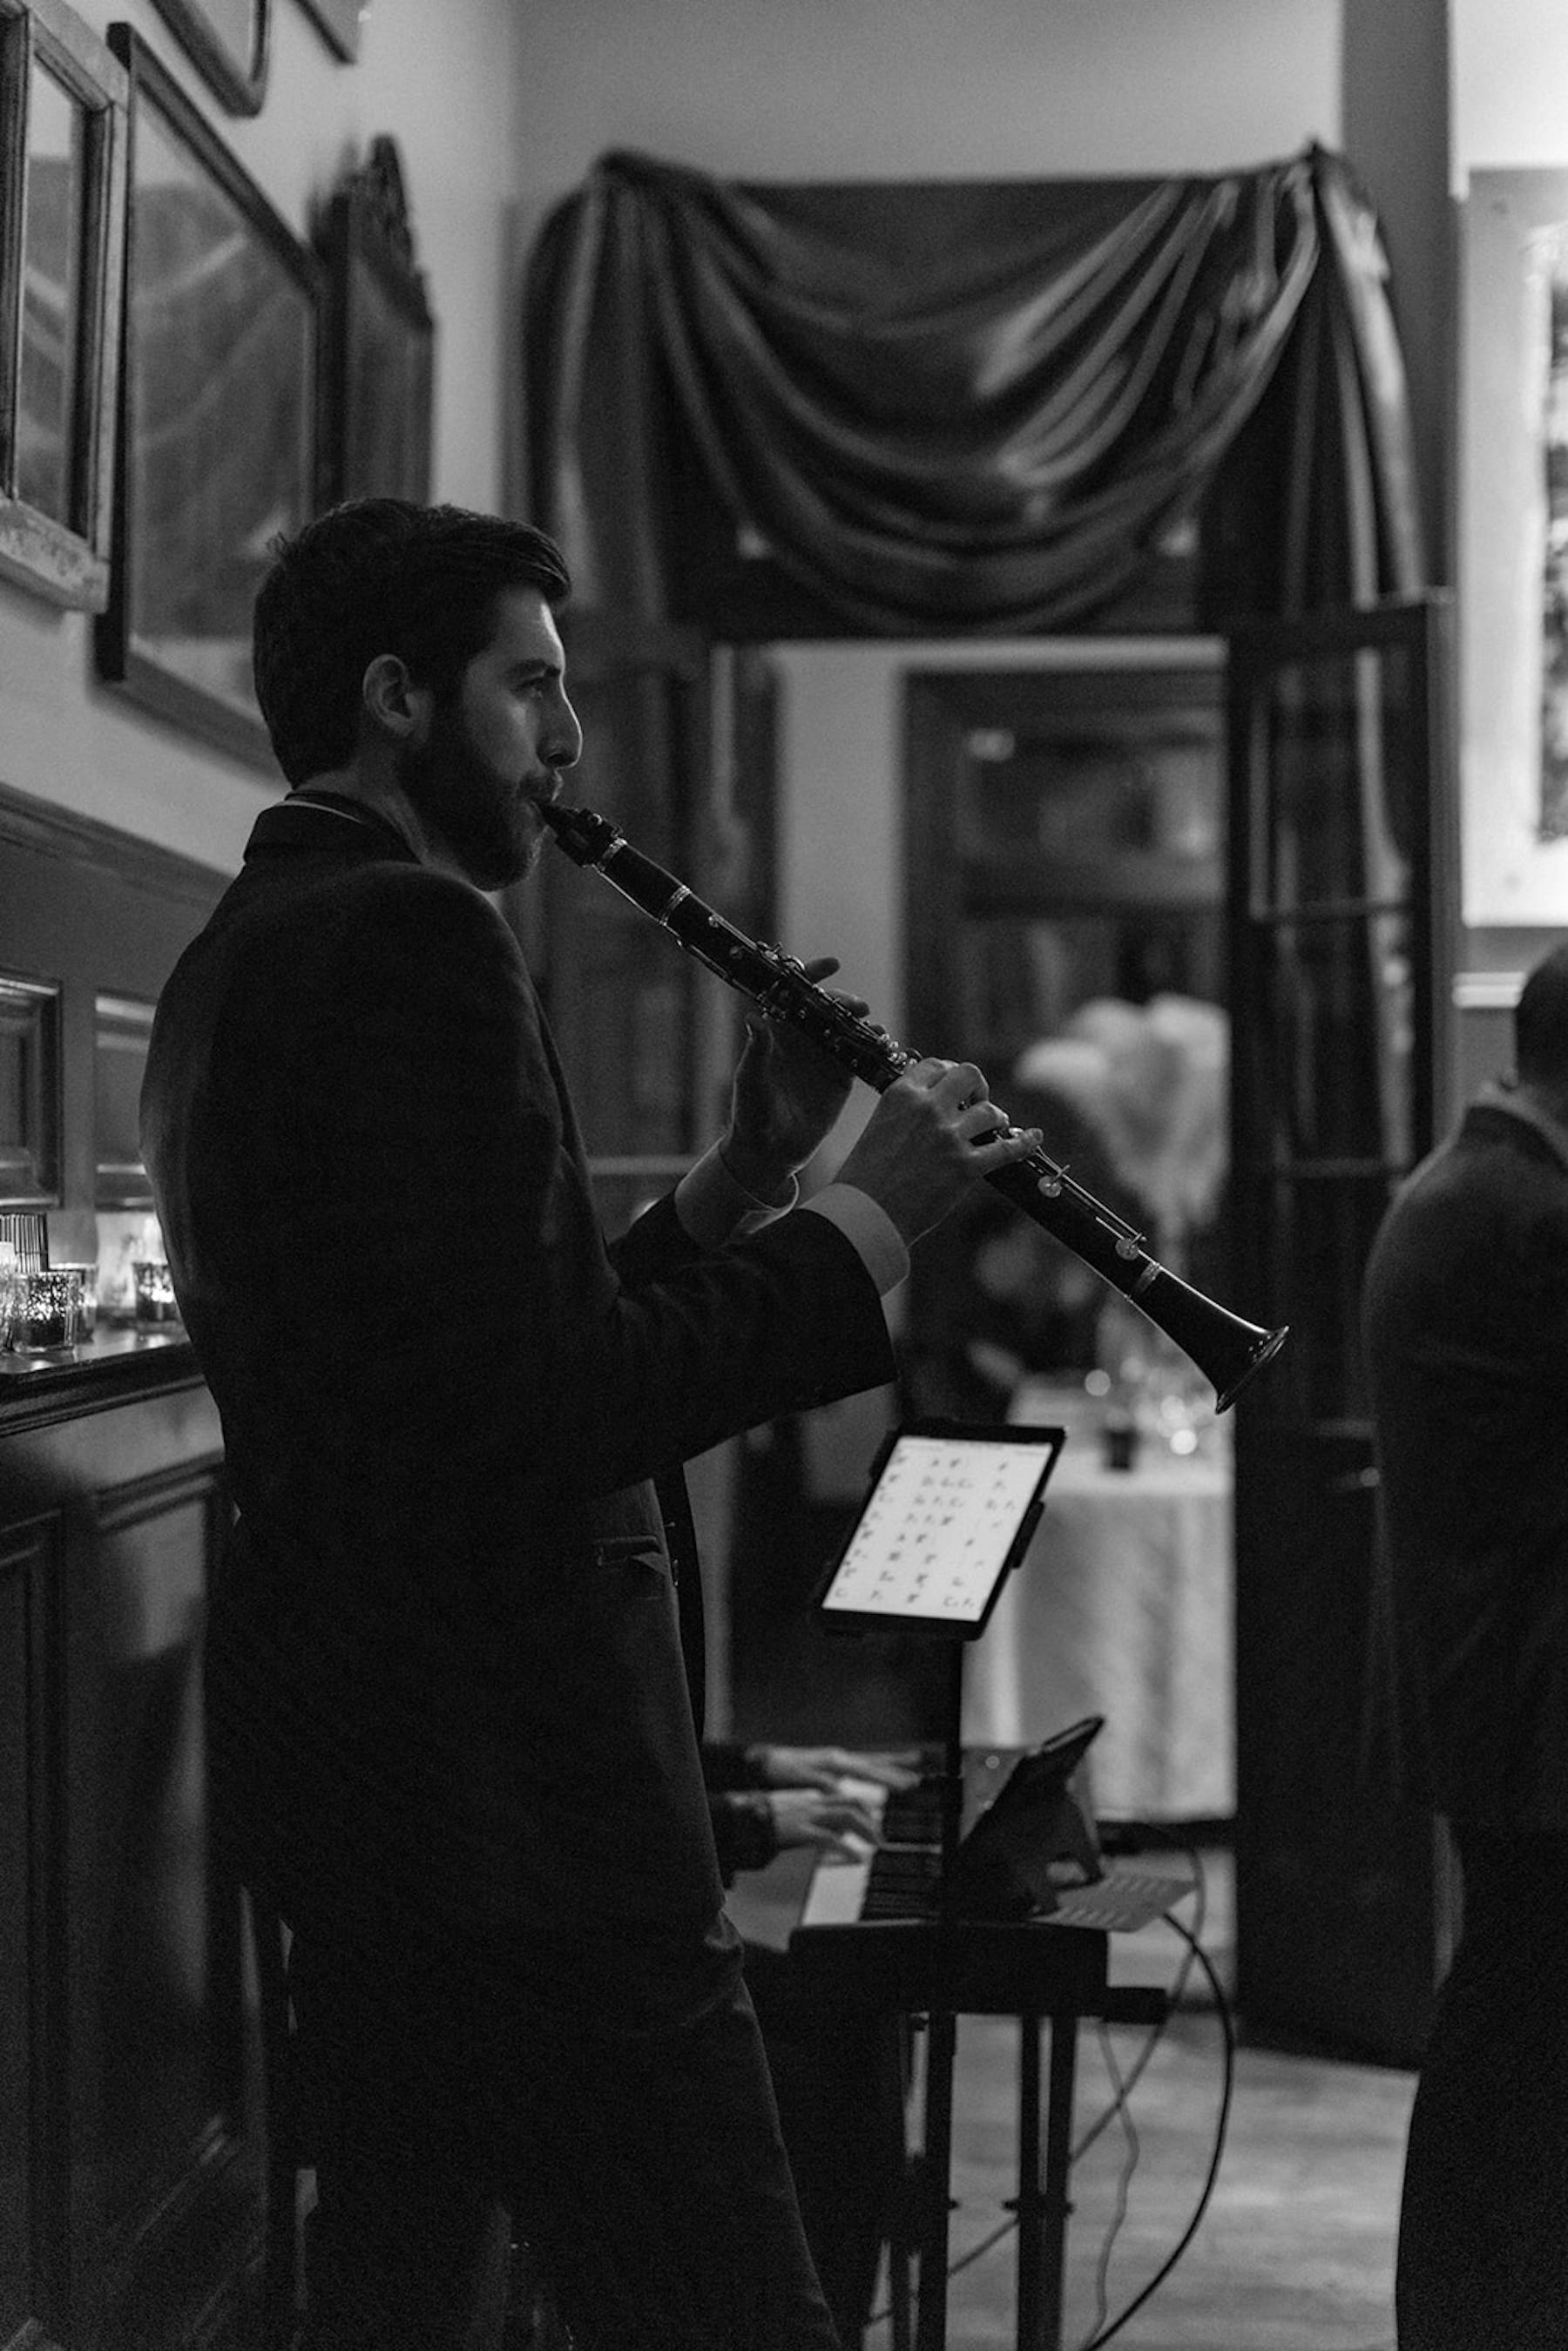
(392, 700)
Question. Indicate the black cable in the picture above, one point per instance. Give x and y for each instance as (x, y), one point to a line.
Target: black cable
(1124, 2177)
(1227, 2029)
(1125, 2083)
(1194, 1937)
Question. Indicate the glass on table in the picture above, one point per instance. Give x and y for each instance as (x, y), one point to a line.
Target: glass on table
(42, 1312)
(155, 1303)
(87, 1296)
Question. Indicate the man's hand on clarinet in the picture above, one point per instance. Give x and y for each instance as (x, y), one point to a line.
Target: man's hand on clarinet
(786, 1096)
(933, 1134)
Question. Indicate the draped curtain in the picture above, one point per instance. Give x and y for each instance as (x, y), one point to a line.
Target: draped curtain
(952, 407)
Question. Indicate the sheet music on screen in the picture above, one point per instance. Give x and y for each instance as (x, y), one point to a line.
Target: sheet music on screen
(940, 1526)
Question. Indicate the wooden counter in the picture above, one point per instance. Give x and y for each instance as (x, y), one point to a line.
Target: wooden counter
(128, 2186)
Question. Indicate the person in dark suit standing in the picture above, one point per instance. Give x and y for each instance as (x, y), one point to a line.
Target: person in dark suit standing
(1466, 1318)
(450, 1732)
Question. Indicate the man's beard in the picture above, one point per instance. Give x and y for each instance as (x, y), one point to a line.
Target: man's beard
(479, 818)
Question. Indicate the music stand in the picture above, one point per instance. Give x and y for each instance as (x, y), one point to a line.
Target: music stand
(949, 1513)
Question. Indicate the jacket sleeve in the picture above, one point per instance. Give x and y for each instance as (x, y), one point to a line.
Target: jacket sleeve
(743, 1833)
(422, 1168)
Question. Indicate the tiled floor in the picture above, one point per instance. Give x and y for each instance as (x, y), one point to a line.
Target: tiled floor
(1296, 2251)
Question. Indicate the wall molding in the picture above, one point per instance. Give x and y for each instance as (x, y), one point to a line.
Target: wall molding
(28, 822)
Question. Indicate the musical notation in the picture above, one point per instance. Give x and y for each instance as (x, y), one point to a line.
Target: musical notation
(937, 1530)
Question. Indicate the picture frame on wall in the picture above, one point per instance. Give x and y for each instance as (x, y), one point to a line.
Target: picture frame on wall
(381, 338)
(63, 179)
(229, 41)
(339, 24)
(1514, 549)
(219, 448)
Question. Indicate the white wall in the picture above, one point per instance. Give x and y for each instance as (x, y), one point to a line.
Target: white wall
(1509, 113)
(1510, 84)
(924, 88)
(441, 75)
(501, 106)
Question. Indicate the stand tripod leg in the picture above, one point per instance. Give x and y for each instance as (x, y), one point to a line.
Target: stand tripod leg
(906, 2215)
(1044, 2203)
(1030, 2203)
(1058, 2203)
(1057, 2173)
(941, 2044)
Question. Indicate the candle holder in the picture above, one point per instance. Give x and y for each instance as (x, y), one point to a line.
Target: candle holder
(87, 1297)
(156, 1306)
(42, 1311)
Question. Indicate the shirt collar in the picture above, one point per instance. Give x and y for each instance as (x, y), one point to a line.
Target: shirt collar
(328, 820)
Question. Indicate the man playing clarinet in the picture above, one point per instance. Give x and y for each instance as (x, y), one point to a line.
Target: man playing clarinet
(451, 1734)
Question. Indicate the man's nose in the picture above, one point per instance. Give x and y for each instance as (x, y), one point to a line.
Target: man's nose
(565, 748)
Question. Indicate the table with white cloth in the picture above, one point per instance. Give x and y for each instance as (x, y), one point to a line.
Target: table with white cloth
(1121, 1606)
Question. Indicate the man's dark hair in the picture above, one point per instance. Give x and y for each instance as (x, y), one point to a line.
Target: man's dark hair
(1541, 1022)
(381, 576)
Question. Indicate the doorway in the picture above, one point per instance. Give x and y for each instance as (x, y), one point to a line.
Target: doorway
(1064, 927)
(911, 782)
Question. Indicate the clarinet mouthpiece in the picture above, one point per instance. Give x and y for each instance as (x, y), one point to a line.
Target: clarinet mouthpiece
(583, 834)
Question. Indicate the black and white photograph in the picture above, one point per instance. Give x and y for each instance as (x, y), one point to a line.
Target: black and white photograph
(229, 42)
(63, 102)
(219, 446)
(783, 1176)
(380, 337)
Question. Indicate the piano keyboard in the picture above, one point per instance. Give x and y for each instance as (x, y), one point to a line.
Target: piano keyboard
(897, 1879)
(900, 1878)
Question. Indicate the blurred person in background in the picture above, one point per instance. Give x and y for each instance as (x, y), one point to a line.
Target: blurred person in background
(1466, 1321)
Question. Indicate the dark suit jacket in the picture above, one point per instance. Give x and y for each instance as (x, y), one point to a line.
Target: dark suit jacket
(444, 1679)
(1466, 1318)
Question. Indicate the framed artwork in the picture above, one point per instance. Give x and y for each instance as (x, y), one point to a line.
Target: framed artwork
(63, 150)
(339, 22)
(1514, 549)
(219, 443)
(380, 343)
(228, 40)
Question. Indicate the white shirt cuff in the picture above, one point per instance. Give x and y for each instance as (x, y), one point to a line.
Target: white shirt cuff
(714, 1209)
(868, 1227)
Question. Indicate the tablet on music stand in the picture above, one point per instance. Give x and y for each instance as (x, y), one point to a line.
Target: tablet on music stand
(949, 1514)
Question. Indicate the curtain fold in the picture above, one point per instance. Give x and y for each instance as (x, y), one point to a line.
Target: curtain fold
(953, 407)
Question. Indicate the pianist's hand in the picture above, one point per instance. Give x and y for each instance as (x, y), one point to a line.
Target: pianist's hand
(828, 1768)
(837, 1825)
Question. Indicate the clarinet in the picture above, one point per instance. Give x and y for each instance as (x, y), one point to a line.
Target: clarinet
(1226, 1349)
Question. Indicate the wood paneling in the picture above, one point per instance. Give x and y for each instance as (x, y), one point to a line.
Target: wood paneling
(29, 1093)
(129, 2182)
(91, 916)
(122, 1963)
(32, 2157)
